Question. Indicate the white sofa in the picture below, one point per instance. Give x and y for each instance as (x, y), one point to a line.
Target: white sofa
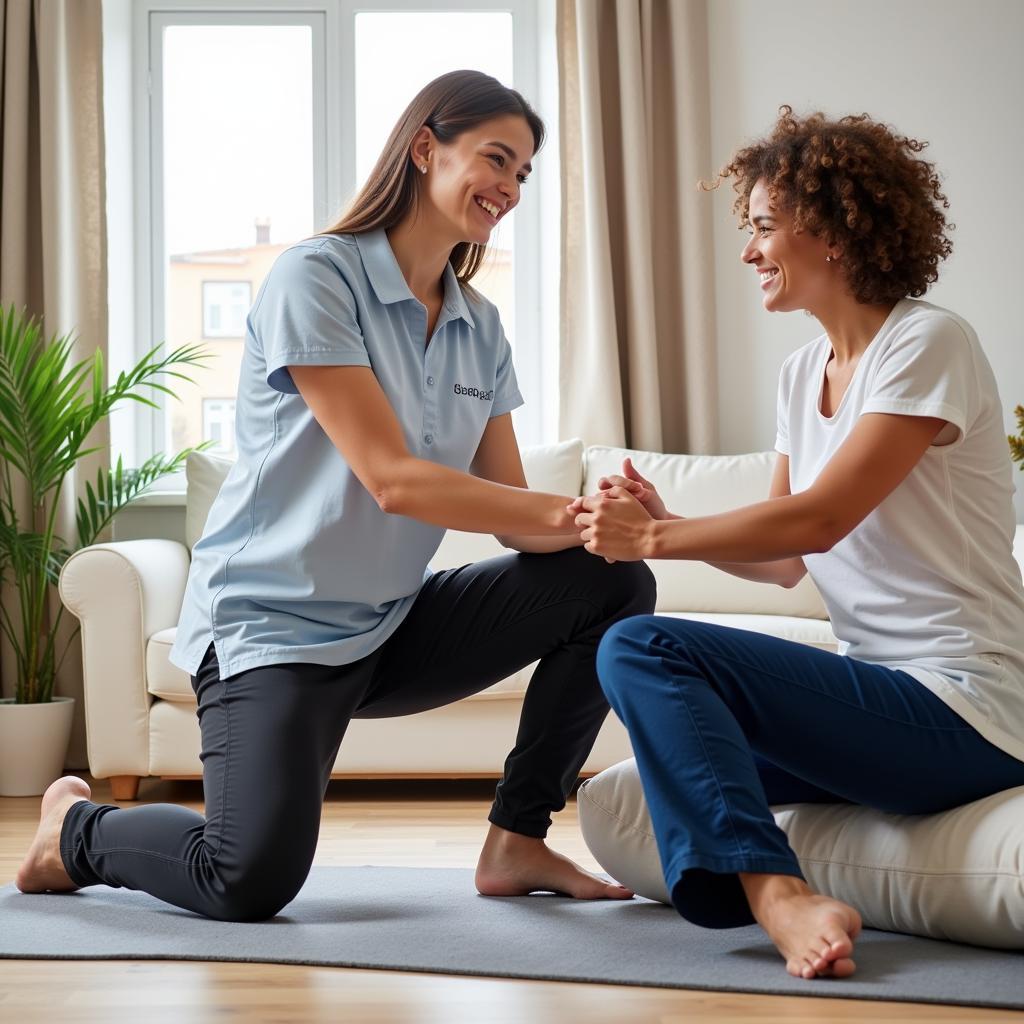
(140, 709)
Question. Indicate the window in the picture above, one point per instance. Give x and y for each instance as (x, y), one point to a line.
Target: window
(422, 46)
(219, 424)
(234, 183)
(254, 122)
(225, 307)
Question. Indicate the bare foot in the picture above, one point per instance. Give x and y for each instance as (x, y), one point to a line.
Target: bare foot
(813, 933)
(516, 865)
(42, 870)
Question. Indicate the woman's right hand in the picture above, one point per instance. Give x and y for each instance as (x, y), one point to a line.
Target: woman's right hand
(643, 490)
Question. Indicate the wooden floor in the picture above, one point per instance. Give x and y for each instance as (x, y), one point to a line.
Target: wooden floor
(431, 824)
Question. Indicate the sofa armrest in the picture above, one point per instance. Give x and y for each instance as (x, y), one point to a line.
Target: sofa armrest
(122, 593)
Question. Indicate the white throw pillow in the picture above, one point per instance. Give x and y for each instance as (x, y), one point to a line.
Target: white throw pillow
(204, 475)
(701, 485)
(958, 875)
(557, 468)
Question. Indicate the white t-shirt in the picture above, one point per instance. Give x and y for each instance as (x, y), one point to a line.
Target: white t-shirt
(927, 583)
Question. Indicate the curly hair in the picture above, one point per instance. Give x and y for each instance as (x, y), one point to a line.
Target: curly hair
(860, 186)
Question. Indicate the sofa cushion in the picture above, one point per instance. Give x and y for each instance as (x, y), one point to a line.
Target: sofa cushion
(699, 485)
(958, 875)
(813, 632)
(163, 679)
(169, 682)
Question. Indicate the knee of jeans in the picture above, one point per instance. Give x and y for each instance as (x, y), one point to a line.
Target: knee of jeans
(625, 638)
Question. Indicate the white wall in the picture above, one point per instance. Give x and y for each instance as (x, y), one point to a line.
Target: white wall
(948, 71)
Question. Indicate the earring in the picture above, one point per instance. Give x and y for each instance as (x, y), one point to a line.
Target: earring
(828, 259)
(424, 168)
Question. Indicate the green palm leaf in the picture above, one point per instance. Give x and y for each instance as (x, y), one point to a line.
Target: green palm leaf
(49, 406)
(115, 488)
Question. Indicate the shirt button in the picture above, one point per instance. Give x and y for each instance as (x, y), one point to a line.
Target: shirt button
(430, 380)
(428, 438)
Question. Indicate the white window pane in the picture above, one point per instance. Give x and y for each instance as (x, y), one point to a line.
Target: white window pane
(420, 47)
(225, 307)
(237, 150)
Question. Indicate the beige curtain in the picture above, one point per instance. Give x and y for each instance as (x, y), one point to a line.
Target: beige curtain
(52, 215)
(638, 333)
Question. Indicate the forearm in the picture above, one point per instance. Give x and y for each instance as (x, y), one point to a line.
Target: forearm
(773, 531)
(442, 496)
(542, 545)
(783, 572)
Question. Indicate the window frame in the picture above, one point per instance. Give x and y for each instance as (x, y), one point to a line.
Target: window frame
(332, 23)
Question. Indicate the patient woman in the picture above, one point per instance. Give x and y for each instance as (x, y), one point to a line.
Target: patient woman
(374, 411)
(892, 488)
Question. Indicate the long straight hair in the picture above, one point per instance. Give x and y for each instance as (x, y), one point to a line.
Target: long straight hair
(450, 105)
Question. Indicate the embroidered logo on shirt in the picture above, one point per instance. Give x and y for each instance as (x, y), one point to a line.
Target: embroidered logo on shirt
(484, 396)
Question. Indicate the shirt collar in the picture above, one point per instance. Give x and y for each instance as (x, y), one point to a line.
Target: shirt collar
(390, 285)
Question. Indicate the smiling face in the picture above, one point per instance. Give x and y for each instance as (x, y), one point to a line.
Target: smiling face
(474, 182)
(791, 265)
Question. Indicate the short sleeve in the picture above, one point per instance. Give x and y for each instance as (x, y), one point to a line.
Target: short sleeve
(927, 371)
(506, 388)
(782, 415)
(306, 314)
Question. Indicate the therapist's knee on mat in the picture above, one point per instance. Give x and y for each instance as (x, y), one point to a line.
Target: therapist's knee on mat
(254, 891)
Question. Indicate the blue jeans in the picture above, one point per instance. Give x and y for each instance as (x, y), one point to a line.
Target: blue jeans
(725, 722)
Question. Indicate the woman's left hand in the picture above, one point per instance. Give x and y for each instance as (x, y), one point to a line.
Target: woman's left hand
(613, 524)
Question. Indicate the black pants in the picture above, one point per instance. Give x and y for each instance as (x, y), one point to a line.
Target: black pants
(270, 735)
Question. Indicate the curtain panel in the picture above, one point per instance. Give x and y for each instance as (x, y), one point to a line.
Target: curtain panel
(53, 258)
(637, 363)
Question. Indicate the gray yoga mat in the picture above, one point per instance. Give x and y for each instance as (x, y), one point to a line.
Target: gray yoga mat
(416, 919)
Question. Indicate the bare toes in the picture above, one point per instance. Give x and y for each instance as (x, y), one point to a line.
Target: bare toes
(840, 945)
(843, 967)
(615, 892)
(800, 967)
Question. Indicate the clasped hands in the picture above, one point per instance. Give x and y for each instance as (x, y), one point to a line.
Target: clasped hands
(617, 522)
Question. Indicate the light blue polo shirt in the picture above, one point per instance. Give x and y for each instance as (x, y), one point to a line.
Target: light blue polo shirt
(297, 563)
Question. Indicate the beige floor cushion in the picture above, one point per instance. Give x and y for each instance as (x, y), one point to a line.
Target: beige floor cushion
(958, 875)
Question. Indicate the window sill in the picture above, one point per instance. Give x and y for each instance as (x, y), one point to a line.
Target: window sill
(159, 499)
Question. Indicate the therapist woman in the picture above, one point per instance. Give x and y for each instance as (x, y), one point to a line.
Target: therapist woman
(374, 412)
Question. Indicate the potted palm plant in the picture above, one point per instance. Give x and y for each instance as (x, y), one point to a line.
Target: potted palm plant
(48, 408)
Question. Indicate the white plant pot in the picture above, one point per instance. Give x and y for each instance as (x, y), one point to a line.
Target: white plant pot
(33, 741)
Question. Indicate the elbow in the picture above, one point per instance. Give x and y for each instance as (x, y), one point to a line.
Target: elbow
(384, 496)
(394, 489)
(824, 535)
(391, 498)
(794, 578)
